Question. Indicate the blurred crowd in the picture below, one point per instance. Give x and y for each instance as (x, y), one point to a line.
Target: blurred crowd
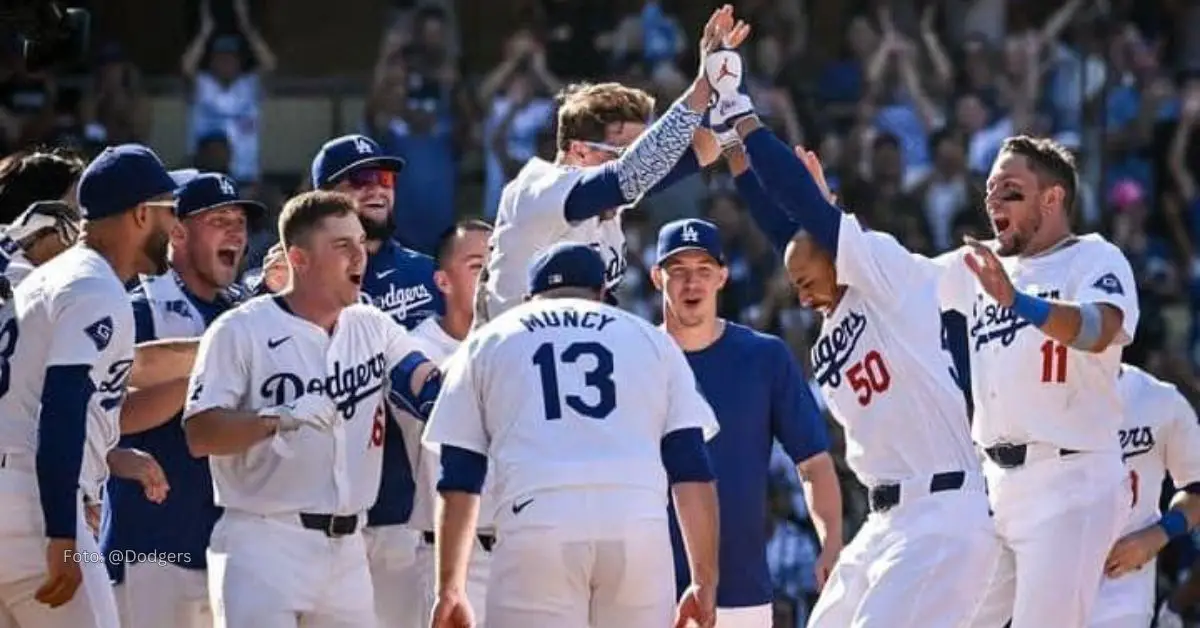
(906, 113)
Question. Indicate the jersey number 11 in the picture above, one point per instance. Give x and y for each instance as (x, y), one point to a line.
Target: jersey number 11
(1054, 362)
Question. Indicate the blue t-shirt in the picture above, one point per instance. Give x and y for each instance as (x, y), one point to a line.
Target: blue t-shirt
(180, 526)
(759, 395)
(399, 281)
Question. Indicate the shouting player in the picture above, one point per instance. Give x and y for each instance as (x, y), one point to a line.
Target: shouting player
(461, 253)
(607, 158)
(880, 365)
(206, 253)
(66, 348)
(398, 281)
(580, 407)
(1159, 435)
(292, 423)
(765, 398)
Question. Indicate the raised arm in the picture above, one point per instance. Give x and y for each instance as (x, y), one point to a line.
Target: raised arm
(771, 219)
(194, 53)
(264, 58)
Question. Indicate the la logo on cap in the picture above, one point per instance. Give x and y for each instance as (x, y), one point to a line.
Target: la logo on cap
(690, 234)
(227, 186)
(555, 280)
(362, 146)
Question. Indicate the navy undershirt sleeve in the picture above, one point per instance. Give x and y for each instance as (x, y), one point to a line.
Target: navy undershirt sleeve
(143, 321)
(463, 470)
(62, 432)
(790, 184)
(599, 189)
(796, 420)
(400, 389)
(685, 456)
(770, 218)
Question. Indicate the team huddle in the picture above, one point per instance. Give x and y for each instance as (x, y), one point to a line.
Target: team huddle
(367, 436)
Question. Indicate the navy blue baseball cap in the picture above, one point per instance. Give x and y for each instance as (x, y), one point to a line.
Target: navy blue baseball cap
(343, 154)
(566, 265)
(121, 178)
(183, 175)
(689, 234)
(211, 190)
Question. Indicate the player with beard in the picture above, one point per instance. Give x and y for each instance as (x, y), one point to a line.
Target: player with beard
(400, 282)
(68, 347)
(206, 254)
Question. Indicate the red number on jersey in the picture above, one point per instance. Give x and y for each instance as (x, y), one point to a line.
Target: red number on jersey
(1133, 486)
(377, 425)
(869, 377)
(1054, 362)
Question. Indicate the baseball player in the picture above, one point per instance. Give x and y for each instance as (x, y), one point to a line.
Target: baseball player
(206, 253)
(880, 365)
(607, 158)
(587, 414)
(460, 255)
(66, 348)
(1159, 435)
(765, 398)
(286, 401)
(400, 282)
(38, 235)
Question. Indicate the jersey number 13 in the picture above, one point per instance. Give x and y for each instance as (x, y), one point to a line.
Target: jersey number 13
(597, 405)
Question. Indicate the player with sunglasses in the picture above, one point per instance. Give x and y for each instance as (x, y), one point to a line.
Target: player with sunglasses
(37, 236)
(400, 282)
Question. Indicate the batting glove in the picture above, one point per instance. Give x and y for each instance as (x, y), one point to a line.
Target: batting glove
(313, 410)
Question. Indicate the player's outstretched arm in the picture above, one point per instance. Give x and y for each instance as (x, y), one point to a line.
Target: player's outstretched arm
(463, 474)
(790, 183)
(147, 408)
(771, 219)
(1091, 324)
(159, 361)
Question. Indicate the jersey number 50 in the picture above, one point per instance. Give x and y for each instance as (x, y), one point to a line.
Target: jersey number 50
(598, 377)
(869, 377)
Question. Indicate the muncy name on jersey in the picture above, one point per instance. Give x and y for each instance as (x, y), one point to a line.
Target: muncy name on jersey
(833, 349)
(345, 386)
(992, 321)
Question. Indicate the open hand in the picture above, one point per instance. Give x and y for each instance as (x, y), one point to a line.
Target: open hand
(994, 280)
(813, 164)
(1134, 550)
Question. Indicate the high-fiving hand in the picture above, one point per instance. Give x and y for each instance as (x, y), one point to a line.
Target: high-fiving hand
(990, 272)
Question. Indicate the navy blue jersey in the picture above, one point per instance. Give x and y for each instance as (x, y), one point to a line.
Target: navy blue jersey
(399, 281)
(180, 526)
(759, 395)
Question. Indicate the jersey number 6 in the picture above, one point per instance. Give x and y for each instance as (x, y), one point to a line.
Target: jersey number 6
(598, 377)
(869, 377)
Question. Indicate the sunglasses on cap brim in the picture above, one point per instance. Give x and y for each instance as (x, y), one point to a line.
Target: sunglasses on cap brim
(606, 147)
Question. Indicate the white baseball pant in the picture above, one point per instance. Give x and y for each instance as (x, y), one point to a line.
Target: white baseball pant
(391, 554)
(1057, 519)
(271, 572)
(23, 558)
(602, 571)
(158, 594)
(1126, 602)
(478, 572)
(746, 617)
(921, 564)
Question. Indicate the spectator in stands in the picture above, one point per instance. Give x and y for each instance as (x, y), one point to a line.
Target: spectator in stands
(225, 96)
(115, 108)
(651, 36)
(27, 99)
(516, 94)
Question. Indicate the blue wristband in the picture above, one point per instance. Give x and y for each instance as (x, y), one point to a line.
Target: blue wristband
(1174, 523)
(1033, 309)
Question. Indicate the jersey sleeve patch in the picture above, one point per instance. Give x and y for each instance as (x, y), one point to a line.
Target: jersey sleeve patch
(1109, 284)
(100, 332)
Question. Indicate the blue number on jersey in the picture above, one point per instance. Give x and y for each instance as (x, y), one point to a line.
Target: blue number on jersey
(598, 377)
(8, 344)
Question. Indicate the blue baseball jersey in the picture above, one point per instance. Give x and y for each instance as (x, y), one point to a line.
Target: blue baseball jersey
(759, 395)
(180, 526)
(399, 281)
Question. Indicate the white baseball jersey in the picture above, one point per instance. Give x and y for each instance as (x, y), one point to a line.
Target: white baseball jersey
(568, 393)
(1027, 387)
(1159, 435)
(438, 346)
(531, 219)
(881, 368)
(260, 355)
(19, 267)
(71, 310)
